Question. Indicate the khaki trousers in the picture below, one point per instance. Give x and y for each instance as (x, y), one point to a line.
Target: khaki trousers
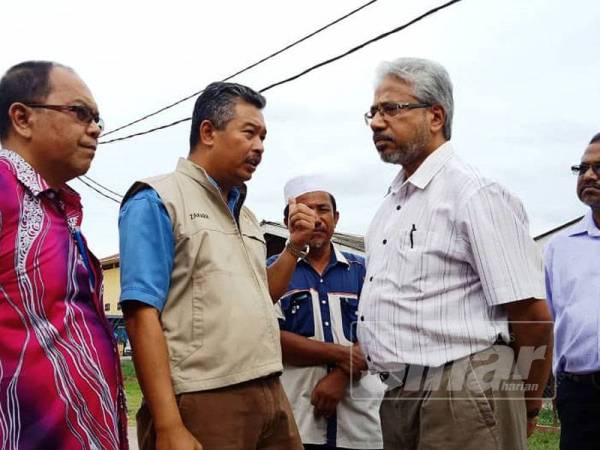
(254, 415)
(455, 407)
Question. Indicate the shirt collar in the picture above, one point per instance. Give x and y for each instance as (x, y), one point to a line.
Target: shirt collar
(337, 257)
(427, 170)
(585, 225)
(33, 181)
(198, 173)
(25, 173)
(234, 192)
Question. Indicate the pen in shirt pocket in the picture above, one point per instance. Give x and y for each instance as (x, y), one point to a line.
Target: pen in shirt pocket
(412, 230)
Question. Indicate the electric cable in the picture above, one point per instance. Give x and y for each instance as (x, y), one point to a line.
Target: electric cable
(251, 66)
(364, 44)
(91, 180)
(310, 69)
(98, 190)
(279, 83)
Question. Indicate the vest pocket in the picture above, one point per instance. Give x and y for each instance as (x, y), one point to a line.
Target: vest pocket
(195, 322)
(257, 245)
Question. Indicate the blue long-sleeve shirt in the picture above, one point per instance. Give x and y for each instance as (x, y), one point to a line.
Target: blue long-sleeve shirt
(147, 247)
(572, 269)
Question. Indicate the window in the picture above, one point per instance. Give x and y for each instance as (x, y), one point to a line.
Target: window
(107, 307)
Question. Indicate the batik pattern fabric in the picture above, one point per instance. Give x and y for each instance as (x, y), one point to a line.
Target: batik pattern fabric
(60, 378)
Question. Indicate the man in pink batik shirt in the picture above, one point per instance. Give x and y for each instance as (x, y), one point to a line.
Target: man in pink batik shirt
(60, 380)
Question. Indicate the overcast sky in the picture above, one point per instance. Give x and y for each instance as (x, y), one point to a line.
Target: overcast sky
(525, 73)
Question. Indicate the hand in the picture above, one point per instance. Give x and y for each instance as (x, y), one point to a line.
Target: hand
(531, 424)
(352, 361)
(532, 405)
(176, 438)
(329, 391)
(301, 223)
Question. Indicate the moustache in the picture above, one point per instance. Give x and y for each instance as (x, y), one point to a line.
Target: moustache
(590, 185)
(378, 137)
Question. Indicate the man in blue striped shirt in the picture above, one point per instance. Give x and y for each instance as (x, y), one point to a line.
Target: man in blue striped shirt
(334, 407)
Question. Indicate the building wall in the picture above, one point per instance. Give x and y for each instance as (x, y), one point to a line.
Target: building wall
(112, 290)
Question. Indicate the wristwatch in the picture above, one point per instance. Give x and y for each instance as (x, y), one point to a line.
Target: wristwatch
(533, 413)
(296, 252)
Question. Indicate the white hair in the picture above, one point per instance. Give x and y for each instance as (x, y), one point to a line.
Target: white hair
(429, 80)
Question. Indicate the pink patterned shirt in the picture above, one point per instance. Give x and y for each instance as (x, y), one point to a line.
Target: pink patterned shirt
(60, 379)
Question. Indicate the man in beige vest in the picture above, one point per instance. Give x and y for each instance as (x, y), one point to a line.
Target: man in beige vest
(195, 291)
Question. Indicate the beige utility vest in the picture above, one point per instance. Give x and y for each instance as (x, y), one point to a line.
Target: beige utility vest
(218, 320)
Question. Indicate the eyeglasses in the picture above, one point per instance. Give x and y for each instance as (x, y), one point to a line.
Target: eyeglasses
(584, 167)
(83, 113)
(391, 109)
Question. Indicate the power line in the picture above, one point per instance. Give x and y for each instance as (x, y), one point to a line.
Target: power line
(310, 69)
(141, 133)
(287, 80)
(364, 44)
(97, 190)
(251, 66)
(101, 186)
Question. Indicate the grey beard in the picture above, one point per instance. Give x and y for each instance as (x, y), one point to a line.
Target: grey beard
(391, 158)
(408, 152)
(404, 155)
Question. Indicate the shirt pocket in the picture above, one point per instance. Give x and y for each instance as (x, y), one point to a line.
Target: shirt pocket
(349, 312)
(298, 314)
(417, 241)
(420, 259)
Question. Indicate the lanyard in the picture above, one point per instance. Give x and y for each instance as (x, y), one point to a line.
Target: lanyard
(82, 250)
(77, 236)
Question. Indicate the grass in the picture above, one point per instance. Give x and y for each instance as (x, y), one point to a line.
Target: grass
(539, 440)
(132, 390)
(545, 440)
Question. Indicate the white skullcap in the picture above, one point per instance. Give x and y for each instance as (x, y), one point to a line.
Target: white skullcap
(303, 184)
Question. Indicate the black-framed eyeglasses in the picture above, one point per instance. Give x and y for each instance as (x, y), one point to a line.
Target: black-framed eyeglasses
(390, 109)
(83, 113)
(582, 168)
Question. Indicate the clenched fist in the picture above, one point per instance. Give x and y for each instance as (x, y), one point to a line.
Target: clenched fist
(301, 223)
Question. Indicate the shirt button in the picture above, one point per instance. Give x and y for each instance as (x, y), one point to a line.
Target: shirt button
(321, 280)
(384, 241)
(371, 279)
(326, 324)
(323, 301)
(362, 318)
(398, 208)
(369, 358)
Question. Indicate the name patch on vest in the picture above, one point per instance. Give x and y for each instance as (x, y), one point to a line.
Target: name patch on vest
(196, 215)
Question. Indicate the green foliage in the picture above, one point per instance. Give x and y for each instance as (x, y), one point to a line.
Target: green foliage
(132, 390)
(544, 441)
(546, 417)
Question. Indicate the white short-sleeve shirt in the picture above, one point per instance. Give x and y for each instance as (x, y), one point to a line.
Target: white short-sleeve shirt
(446, 249)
